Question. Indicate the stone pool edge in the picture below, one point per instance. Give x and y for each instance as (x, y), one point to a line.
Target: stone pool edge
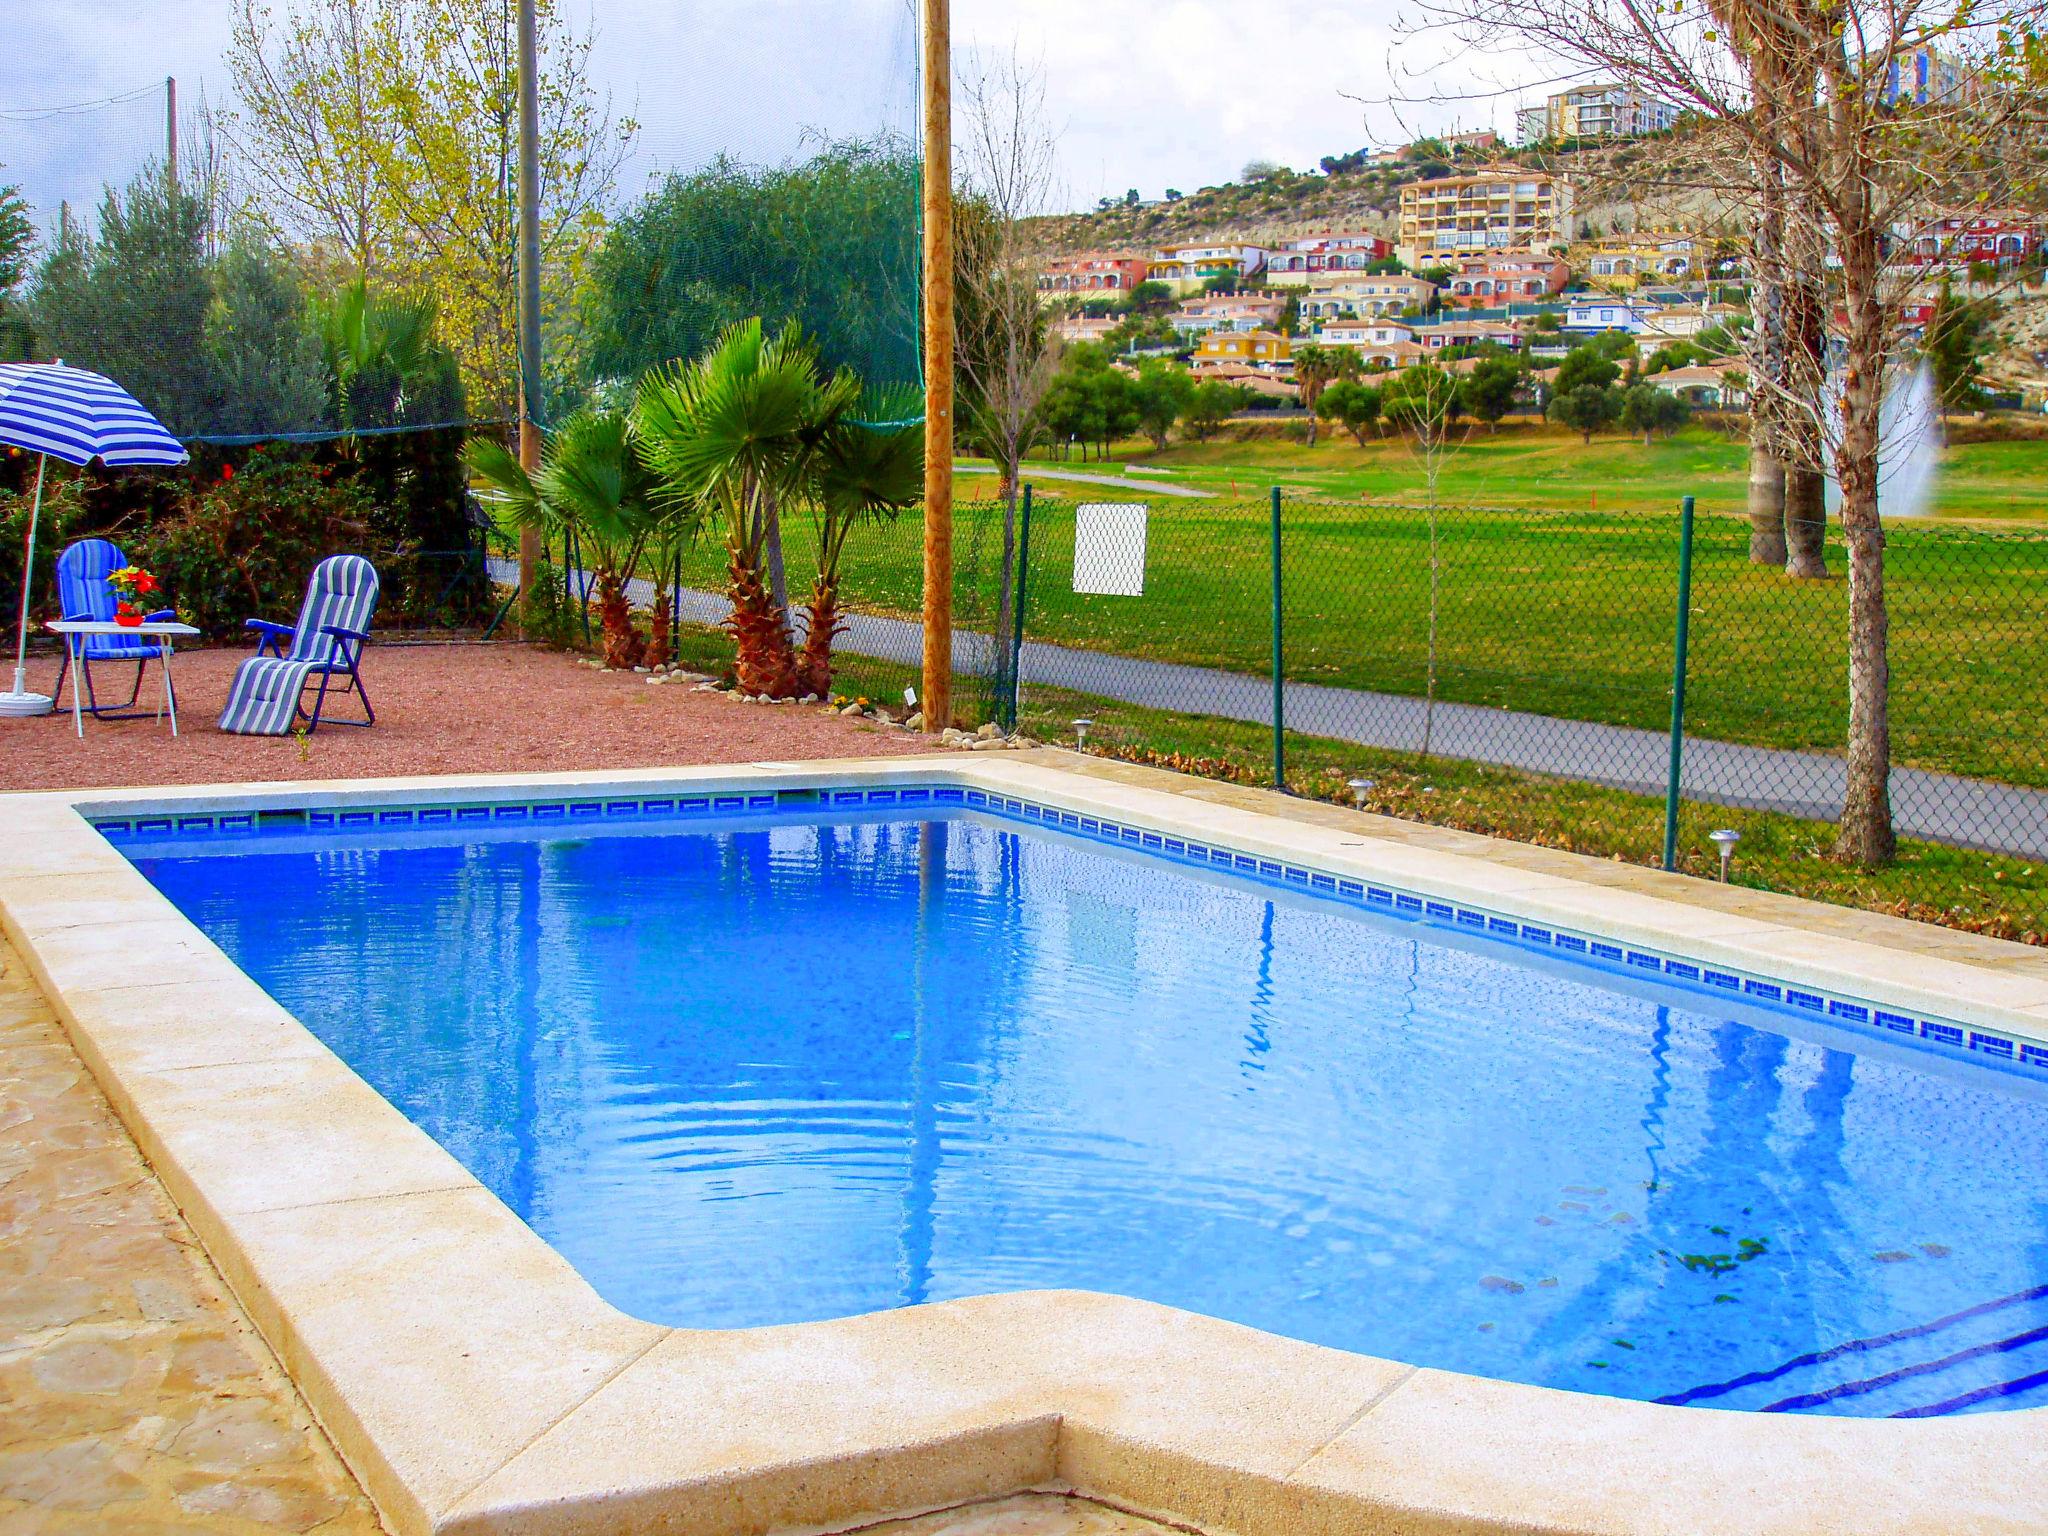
(476, 1383)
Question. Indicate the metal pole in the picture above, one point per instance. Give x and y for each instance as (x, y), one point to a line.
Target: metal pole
(938, 365)
(171, 132)
(1678, 658)
(28, 571)
(1017, 609)
(1279, 654)
(529, 274)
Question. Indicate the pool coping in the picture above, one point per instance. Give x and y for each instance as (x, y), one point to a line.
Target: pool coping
(476, 1383)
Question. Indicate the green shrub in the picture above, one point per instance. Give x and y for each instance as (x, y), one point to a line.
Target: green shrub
(545, 613)
(63, 512)
(242, 546)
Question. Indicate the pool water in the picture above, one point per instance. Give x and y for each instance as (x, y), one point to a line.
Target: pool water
(781, 1070)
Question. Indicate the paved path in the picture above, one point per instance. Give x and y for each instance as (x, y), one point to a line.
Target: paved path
(134, 1394)
(1137, 482)
(1947, 808)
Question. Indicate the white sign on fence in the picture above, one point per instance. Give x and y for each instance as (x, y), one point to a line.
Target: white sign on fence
(1109, 548)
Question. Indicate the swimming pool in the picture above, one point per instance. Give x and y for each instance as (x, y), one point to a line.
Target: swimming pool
(793, 1065)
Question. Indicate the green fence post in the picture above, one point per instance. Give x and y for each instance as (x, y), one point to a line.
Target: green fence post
(1678, 658)
(1279, 691)
(1017, 608)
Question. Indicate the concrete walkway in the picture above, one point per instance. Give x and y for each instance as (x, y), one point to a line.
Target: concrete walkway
(1941, 807)
(1138, 482)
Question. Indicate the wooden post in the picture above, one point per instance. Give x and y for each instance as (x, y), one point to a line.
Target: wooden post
(529, 274)
(171, 133)
(938, 366)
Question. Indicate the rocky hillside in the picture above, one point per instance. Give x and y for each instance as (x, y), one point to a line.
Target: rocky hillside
(1647, 185)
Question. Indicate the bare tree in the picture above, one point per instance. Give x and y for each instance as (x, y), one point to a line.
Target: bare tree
(308, 109)
(1427, 401)
(1006, 352)
(1805, 89)
(386, 132)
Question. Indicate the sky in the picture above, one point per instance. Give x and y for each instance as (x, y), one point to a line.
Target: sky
(1181, 93)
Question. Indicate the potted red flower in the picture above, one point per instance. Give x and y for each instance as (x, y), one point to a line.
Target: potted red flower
(130, 585)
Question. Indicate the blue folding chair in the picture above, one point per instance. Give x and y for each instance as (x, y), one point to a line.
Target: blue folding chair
(82, 590)
(267, 696)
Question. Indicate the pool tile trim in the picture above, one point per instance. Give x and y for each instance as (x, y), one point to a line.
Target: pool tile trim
(477, 1384)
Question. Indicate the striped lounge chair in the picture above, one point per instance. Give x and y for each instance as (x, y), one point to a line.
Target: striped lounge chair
(266, 697)
(82, 590)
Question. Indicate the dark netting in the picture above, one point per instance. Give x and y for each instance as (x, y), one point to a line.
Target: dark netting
(779, 176)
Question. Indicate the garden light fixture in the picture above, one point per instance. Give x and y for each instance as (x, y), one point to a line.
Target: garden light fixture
(1725, 840)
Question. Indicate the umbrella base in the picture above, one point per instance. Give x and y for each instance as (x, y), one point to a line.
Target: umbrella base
(22, 705)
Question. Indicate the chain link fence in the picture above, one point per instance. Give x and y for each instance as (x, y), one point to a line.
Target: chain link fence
(1513, 671)
(1502, 671)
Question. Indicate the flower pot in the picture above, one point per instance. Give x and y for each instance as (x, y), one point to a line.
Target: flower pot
(128, 617)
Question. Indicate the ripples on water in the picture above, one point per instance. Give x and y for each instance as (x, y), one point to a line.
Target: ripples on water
(782, 1073)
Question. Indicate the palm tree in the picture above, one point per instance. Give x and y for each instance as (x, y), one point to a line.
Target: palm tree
(863, 471)
(1314, 369)
(752, 428)
(383, 359)
(591, 480)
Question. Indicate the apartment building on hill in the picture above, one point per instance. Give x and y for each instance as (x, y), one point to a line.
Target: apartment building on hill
(1509, 209)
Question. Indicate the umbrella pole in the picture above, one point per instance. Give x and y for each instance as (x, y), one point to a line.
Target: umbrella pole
(28, 566)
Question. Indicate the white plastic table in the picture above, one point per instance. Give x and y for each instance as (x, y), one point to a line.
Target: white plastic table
(74, 632)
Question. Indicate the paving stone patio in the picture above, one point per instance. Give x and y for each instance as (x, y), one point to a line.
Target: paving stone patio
(137, 1396)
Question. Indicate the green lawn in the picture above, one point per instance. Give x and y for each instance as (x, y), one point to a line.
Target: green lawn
(1987, 893)
(1526, 464)
(1559, 613)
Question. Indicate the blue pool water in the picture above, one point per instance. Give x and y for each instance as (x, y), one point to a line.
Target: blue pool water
(779, 1070)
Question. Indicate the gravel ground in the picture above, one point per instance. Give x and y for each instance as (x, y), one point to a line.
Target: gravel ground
(441, 708)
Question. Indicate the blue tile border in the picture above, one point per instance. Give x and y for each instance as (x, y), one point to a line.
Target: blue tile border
(1938, 1035)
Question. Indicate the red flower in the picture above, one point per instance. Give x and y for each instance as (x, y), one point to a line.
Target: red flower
(145, 582)
(227, 471)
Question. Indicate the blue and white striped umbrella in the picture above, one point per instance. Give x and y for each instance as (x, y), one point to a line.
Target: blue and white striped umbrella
(78, 416)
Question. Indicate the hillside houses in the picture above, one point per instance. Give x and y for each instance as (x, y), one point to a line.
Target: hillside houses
(1620, 262)
(1362, 297)
(1093, 272)
(1468, 333)
(1184, 268)
(1990, 239)
(1710, 386)
(1297, 262)
(1264, 351)
(1482, 282)
(1226, 312)
(1367, 333)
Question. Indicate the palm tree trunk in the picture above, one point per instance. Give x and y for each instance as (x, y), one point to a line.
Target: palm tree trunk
(660, 643)
(1806, 523)
(1766, 494)
(814, 665)
(762, 663)
(615, 616)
